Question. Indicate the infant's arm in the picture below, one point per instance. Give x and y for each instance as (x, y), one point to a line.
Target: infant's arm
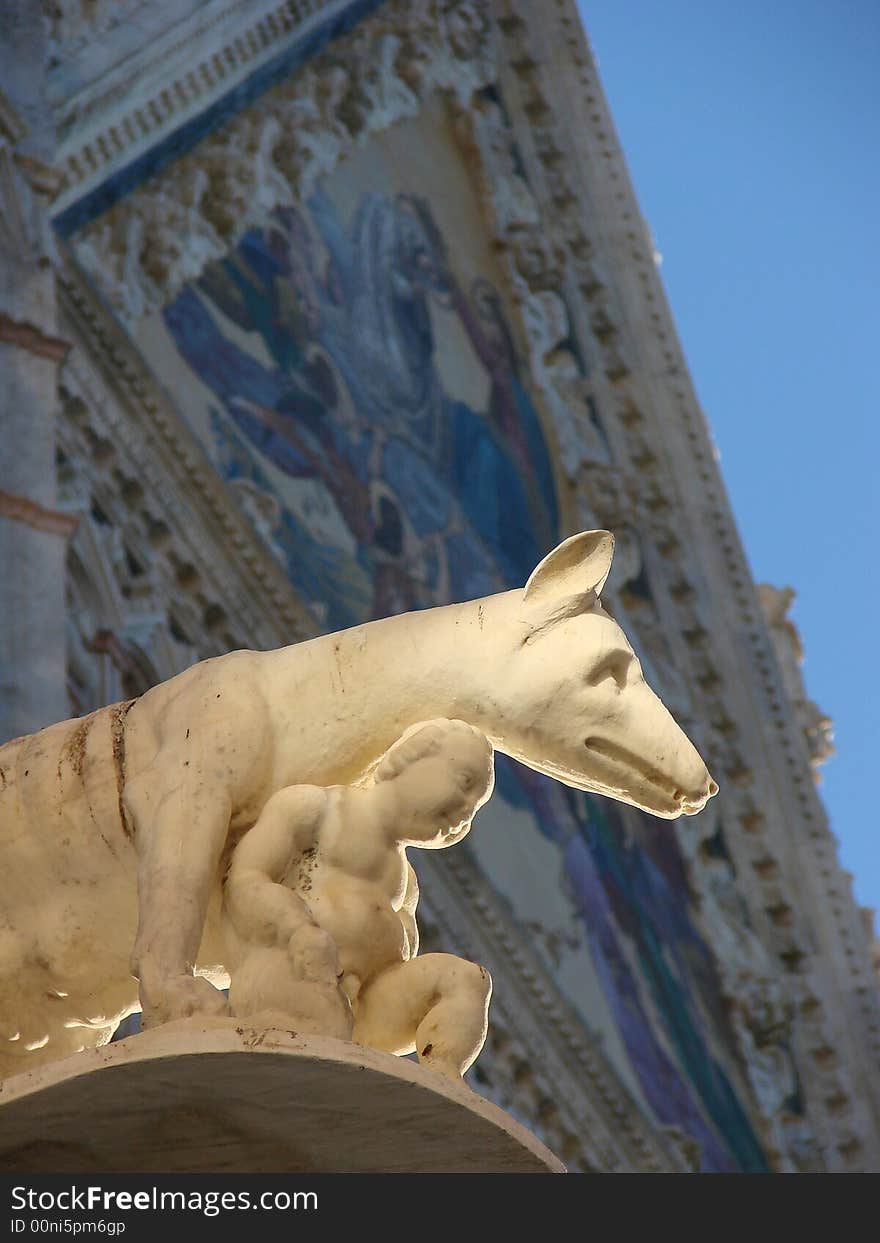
(262, 909)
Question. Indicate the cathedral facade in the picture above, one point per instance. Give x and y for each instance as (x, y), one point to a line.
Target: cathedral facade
(316, 311)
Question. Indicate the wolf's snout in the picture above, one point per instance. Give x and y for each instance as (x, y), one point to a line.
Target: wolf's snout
(692, 803)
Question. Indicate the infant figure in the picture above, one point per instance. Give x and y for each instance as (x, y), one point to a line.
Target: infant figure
(320, 902)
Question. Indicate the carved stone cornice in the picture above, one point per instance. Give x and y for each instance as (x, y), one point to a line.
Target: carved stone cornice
(143, 249)
(120, 87)
(655, 423)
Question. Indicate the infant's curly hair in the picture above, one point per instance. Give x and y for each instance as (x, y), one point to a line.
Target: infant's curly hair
(426, 739)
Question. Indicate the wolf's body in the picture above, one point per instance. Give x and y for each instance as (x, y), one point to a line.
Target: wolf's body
(114, 828)
(68, 891)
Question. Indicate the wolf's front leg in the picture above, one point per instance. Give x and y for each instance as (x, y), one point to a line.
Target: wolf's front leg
(181, 823)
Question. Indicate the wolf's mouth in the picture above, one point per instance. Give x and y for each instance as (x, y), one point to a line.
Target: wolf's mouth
(622, 764)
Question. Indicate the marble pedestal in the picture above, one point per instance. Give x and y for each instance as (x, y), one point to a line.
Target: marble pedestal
(211, 1096)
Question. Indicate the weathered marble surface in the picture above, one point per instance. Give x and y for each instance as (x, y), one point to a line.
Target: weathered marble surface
(227, 1097)
(149, 798)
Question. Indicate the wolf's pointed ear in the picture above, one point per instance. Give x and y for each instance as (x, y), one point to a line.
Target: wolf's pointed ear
(577, 565)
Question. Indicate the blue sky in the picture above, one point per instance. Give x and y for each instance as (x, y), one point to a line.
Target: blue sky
(751, 134)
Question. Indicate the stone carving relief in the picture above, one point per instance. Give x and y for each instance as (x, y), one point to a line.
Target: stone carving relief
(615, 498)
(534, 265)
(120, 638)
(818, 729)
(119, 641)
(145, 248)
(74, 24)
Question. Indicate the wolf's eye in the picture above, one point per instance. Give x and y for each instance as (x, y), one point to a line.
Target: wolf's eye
(614, 665)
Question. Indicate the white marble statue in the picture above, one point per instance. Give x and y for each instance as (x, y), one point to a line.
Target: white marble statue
(150, 798)
(321, 902)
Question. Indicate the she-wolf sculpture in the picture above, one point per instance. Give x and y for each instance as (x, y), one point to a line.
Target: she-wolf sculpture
(117, 828)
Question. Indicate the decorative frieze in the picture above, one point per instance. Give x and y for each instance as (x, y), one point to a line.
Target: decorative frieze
(163, 233)
(817, 727)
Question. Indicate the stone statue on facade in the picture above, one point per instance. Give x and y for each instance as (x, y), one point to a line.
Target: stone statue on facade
(118, 828)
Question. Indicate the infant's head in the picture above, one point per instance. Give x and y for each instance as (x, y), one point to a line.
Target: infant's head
(442, 772)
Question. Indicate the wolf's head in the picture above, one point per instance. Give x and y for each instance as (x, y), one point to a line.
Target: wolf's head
(571, 694)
